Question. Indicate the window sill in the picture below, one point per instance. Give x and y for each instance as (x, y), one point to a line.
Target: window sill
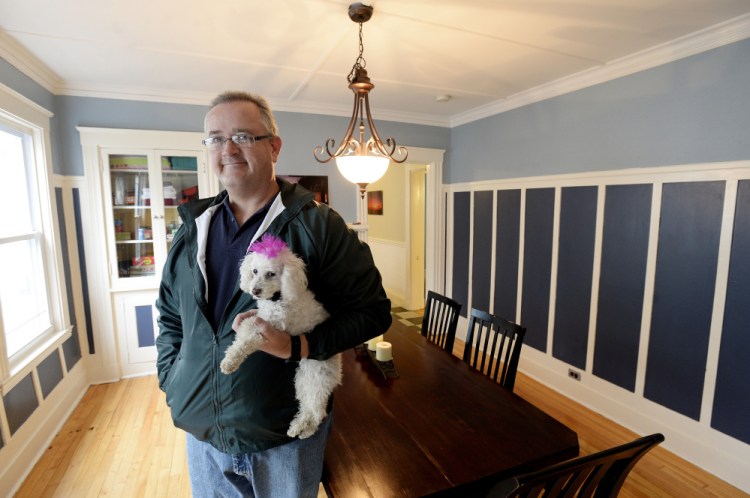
(34, 354)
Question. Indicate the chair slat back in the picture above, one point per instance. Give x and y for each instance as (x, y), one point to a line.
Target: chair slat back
(440, 320)
(493, 346)
(599, 475)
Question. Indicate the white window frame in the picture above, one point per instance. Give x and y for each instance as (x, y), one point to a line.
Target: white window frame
(19, 113)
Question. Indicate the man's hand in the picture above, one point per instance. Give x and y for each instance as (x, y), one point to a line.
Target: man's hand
(277, 342)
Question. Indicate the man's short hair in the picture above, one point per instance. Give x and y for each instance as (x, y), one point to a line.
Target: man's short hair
(238, 96)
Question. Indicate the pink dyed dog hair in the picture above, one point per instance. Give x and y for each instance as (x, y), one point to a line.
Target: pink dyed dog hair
(268, 245)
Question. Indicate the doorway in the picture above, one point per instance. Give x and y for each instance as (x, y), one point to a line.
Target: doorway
(429, 162)
(416, 286)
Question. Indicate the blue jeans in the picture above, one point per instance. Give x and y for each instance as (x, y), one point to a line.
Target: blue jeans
(292, 470)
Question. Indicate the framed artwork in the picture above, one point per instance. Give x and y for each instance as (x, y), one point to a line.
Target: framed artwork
(318, 185)
(375, 202)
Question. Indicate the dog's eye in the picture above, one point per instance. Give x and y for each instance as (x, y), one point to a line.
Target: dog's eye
(255, 271)
(270, 274)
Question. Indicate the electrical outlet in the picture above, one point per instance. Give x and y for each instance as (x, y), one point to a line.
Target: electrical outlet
(574, 374)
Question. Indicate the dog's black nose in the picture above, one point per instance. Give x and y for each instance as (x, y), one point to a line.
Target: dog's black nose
(256, 292)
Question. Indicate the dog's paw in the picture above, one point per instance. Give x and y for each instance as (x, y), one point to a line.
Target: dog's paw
(304, 425)
(301, 427)
(228, 366)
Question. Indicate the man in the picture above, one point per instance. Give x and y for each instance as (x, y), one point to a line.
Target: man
(236, 424)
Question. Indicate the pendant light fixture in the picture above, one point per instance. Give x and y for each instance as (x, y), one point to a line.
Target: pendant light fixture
(361, 162)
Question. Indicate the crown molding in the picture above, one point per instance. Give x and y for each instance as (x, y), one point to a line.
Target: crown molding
(203, 98)
(701, 41)
(28, 64)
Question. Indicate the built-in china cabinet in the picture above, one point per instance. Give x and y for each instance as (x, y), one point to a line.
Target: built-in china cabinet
(136, 181)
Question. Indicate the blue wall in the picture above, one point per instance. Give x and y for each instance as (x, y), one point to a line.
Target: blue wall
(694, 110)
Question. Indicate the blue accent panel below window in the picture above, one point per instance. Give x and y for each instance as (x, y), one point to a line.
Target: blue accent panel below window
(82, 266)
(732, 395)
(461, 226)
(144, 323)
(50, 373)
(20, 403)
(537, 265)
(508, 233)
(574, 272)
(71, 351)
(685, 278)
(627, 214)
(482, 257)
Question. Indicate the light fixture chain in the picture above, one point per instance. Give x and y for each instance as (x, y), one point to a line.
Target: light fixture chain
(360, 62)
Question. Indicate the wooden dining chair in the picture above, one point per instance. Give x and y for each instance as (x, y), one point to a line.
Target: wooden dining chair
(599, 475)
(493, 346)
(440, 320)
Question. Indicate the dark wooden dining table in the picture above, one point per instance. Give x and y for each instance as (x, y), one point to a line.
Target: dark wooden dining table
(440, 428)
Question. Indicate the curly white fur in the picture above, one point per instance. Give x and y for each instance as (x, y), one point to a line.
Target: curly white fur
(279, 284)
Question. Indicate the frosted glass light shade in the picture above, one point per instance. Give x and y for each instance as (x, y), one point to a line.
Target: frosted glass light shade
(362, 169)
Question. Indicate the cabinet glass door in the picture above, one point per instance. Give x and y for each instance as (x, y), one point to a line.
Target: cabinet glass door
(132, 215)
(179, 178)
(143, 189)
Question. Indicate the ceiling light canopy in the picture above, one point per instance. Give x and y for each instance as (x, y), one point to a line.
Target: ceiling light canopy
(361, 162)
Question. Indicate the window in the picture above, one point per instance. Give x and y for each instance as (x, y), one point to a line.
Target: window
(30, 299)
(23, 299)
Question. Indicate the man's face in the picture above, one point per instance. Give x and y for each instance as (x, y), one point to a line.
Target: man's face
(241, 167)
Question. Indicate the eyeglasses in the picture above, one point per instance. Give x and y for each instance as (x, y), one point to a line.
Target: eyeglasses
(240, 140)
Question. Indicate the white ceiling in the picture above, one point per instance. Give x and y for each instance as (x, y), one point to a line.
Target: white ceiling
(488, 55)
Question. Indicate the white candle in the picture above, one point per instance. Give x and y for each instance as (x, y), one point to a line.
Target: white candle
(372, 342)
(383, 351)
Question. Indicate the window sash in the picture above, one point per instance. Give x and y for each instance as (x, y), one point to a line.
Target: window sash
(26, 313)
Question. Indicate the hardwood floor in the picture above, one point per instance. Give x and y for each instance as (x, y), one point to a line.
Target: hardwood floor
(120, 442)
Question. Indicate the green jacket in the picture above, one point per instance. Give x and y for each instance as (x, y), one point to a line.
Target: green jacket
(250, 410)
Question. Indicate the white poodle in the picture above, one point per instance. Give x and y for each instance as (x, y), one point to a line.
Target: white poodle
(276, 277)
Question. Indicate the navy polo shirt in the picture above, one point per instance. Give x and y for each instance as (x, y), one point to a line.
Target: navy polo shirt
(226, 247)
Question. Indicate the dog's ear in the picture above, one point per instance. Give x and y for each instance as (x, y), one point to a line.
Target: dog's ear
(246, 272)
(293, 276)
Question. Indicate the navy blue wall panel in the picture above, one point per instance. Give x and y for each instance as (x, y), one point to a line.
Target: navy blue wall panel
(574, 270)
(71, 352)
(537, 265)
(627, 212)
(50, 373)
(685, 278)
(482, 257)
(20, 403)
(144, 323)
(71, 348)
(461, 231)
(82, 265)
(508, 233)
(732, 395)
(65, 255)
